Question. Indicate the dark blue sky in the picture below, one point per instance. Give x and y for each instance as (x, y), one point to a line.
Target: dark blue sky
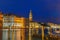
(43, 10)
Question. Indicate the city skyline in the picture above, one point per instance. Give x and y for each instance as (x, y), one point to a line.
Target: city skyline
(42, 11)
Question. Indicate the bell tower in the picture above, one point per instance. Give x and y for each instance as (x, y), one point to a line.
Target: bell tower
(30, 15)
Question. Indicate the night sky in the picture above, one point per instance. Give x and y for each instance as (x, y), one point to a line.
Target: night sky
(43, 10)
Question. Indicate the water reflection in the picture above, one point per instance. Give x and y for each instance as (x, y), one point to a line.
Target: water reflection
(11, 34)
(16, 34)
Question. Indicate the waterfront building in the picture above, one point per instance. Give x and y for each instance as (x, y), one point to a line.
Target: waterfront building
(19, 24)
(8, 21)
(13, 27)
(33, 26)
(1, 24)
(18, 28)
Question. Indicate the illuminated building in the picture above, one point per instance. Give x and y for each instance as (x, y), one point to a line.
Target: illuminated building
(32, 26)
(15, 27)
(19, 23)
(8, 21)
(30, 16)
(1, 24)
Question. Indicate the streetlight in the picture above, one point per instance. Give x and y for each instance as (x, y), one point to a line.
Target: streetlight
(42, 31)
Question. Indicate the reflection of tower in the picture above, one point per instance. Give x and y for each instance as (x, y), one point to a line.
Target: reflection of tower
(30, 19)
(30, 15)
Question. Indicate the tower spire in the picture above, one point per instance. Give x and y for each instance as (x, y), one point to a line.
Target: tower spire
(30, 15)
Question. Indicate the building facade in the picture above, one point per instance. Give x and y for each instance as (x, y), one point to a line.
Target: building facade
(1, 24)
(15, 27)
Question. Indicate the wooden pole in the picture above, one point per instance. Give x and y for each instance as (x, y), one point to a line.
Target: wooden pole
(29, 33)
(42, 32)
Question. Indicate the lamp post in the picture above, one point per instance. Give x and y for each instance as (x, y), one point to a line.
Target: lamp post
(43, 25)
(42, 32)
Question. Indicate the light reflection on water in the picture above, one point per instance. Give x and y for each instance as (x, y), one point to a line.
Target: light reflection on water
(16, 36)
(7, 35)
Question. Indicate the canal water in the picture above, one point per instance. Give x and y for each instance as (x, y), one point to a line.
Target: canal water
(9, 35)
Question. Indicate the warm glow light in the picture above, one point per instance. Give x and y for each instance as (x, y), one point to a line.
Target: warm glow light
(37, 26)
(18, 24)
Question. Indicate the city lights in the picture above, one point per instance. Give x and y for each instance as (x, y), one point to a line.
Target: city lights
(19, 28)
